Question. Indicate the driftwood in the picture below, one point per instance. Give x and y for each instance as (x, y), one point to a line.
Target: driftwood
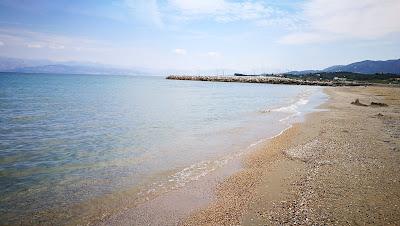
(358, 103)
(376, 104)
(373, 104)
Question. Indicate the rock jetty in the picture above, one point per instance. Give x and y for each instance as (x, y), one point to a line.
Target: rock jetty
(264, 79)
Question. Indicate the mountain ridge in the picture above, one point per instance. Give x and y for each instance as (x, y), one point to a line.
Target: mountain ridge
(71, 67)
(68, 67)
(361, 67)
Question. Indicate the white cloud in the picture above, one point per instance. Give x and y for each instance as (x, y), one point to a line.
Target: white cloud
(228, 11)
(180, 51)
(306, 38)
(342, 19)
(36, 40)
(56, 46)
(146, 10)
(213, 54)
(34, 46)
(199, 7)
(1, 43)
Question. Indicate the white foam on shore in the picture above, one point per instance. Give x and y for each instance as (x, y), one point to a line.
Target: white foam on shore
(268, 138)
(293, 108)
(191, 173)
(198, 170)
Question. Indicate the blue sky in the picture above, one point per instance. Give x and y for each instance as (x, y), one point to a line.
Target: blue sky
(194, 35)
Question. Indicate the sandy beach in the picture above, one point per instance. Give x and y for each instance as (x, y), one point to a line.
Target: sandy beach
(338, 167)
(199, 112)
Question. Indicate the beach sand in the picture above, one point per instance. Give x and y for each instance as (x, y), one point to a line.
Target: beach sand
(341, 166)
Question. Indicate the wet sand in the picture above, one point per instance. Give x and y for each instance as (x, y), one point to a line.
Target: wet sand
(171, 207)
(340, 166)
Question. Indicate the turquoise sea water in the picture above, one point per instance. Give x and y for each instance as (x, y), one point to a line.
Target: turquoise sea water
(68, 139)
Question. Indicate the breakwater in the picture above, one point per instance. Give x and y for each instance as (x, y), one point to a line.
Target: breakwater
(264, 79)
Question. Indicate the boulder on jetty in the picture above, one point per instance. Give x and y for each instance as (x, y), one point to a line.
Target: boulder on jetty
(263, 79)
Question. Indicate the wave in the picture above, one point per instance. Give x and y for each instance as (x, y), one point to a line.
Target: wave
(302, 99)
(196, 171)
(293, 108)
(201, 169)
(189, 174)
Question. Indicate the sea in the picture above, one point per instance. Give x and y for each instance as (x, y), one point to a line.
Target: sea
(72, 141)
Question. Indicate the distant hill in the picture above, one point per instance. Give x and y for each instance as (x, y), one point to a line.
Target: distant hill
(74, 69)
(46, 66)
(303, 72)
(10, 64)
(363, 67)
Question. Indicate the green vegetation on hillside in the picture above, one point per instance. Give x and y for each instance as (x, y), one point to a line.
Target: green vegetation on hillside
(350, 76)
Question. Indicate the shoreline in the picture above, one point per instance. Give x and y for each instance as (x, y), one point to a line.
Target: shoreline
(286, 178)
(295, 178)
(175, 206)
(101, 209)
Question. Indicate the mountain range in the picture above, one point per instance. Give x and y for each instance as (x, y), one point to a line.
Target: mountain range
(362, 67)
(67, 67)
(71, 67)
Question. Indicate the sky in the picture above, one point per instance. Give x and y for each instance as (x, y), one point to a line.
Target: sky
(249, 36)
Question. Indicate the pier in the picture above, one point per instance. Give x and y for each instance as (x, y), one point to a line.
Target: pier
(265, 79)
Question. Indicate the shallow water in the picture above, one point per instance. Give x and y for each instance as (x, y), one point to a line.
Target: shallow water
(69, 139)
